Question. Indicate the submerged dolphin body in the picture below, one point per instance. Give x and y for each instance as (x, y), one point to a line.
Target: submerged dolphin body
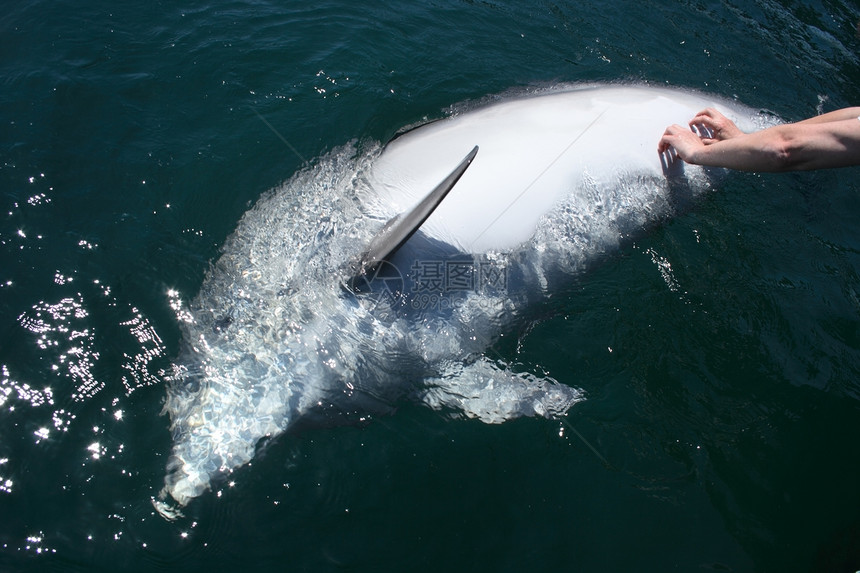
(275, 336)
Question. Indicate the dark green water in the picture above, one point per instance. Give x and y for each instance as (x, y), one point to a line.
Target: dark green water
(720, 353)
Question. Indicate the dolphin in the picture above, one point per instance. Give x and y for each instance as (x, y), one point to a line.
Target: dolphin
(288, 327)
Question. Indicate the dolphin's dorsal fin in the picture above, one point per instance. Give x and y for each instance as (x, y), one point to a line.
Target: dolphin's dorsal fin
(399, 228)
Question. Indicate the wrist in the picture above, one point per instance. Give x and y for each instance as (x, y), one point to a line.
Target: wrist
(694, 156)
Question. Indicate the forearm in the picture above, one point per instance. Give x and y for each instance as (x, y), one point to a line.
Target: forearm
(798, 146)
(838, 115)
(759, 151)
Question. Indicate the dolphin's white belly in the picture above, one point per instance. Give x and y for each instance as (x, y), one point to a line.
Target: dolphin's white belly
(534, 152)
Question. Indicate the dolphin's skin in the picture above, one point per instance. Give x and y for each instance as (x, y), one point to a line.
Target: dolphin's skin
(275, 335)
(535, 153)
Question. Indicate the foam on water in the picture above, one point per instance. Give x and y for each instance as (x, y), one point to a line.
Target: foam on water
(273, 335)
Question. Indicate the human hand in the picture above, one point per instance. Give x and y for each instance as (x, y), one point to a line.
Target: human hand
(682, 140)
(712, 126)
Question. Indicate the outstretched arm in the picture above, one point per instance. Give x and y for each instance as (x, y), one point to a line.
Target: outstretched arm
(830, 140)
(838, 115)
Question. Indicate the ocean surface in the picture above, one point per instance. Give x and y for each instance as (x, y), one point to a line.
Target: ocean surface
(719, 353)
